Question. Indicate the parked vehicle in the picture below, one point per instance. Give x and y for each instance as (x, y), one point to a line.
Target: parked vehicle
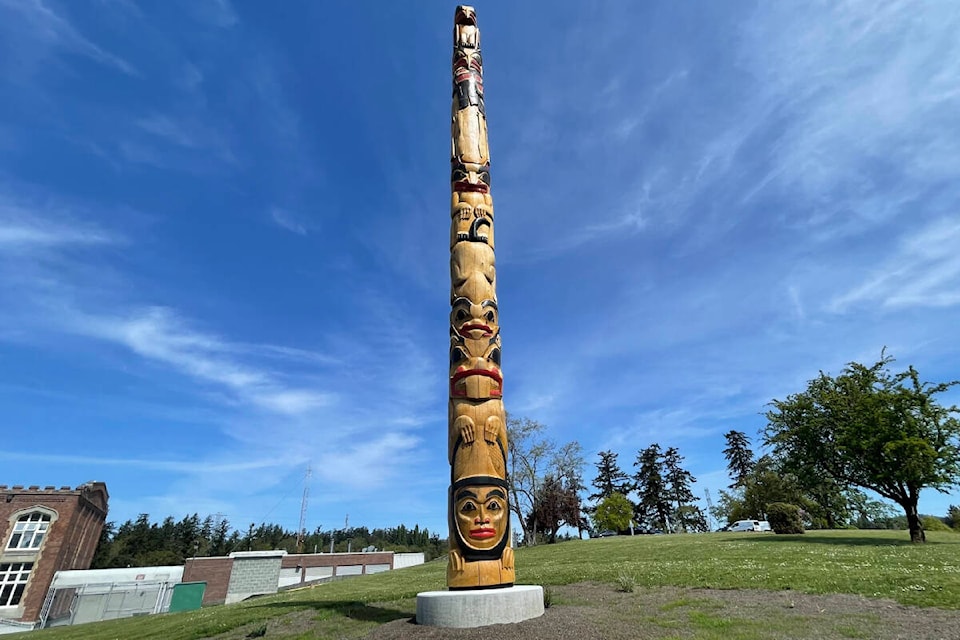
(607, 534)
(745, 525)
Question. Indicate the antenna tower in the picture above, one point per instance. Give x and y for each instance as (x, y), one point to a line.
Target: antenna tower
(302, 530)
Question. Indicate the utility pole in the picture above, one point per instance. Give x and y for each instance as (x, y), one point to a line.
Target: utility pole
(709, 510)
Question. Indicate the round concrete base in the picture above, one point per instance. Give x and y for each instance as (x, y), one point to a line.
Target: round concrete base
(479, 607)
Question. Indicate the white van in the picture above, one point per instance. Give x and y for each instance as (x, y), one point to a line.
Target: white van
(745, 525)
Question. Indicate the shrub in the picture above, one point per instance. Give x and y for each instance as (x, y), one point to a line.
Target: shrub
(933, 523)
(784, 518)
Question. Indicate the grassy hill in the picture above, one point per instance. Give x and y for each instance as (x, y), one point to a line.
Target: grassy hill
(879, 564)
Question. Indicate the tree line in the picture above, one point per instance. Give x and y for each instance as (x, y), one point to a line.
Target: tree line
(140, 542)
(828, 451)
(866, 429)
(663, 490)
(546, 487)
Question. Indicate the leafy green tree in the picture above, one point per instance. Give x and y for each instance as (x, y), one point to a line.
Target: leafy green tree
(784, 518)
(739, 457)
(866, 513)
(691, 518)
(874, 429)
(610, 478)
(614, 513)
(766, 483)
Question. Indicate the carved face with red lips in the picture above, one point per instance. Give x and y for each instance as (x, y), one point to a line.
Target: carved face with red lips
(476, 377)
(481, 515)
(474, 321)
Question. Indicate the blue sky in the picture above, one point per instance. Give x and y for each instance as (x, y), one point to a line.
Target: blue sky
(224, 234)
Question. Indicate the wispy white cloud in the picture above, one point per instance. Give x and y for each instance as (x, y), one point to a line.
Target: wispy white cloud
(288, 220)
(159, 334)
(151, 464)
(923, 272)
(370, 462)
(18, 232)
(22, 229)
(183, 133)
(218, 13)
(866, 95)
(53, 30)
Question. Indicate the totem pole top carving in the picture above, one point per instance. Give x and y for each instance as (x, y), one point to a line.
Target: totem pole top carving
(479, 512)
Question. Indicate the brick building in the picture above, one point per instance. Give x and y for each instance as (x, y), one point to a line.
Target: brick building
(43, 531)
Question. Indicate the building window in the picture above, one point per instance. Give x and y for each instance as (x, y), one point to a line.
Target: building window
(13, 580)
(29, 531)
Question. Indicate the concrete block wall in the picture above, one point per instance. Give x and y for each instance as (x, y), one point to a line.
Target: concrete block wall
(254, 573)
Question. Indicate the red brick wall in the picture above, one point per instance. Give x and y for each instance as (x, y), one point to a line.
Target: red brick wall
(70, 541)
(215, 572)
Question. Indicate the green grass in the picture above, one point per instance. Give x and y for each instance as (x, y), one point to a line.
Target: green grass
(879, 564)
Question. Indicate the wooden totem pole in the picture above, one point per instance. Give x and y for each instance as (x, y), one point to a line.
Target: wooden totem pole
(479, 514)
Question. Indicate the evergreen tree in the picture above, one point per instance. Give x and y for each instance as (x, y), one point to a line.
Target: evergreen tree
(678, 486)
(739, 457)
(610, 478)
(653, 505)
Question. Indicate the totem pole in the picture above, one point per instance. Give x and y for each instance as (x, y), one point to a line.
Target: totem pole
(479, 513)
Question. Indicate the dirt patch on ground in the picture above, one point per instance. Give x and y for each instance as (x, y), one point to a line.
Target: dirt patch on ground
(587, 610)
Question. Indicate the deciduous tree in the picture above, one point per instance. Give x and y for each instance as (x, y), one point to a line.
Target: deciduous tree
(874, 429)
(614, 513)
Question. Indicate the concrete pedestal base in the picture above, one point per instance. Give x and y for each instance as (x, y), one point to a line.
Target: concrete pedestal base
(479, 607)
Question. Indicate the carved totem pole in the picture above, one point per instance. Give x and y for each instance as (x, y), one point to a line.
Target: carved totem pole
(480, 556)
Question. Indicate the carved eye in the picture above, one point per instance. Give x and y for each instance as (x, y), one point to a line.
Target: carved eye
(457, 354)
(490, 317)
(468, 507)
(495, 356)
(461, 315)
(493, 505)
